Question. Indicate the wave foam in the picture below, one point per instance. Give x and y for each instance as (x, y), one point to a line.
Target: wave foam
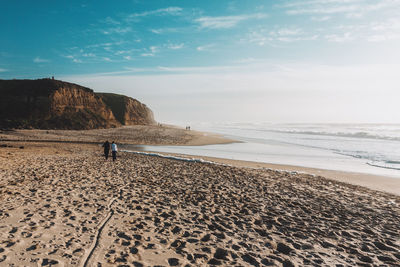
(341, 134)
(383, 165)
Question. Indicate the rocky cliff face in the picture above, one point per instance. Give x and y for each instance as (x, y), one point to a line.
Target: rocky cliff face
(53, 104)
(137, 113)
(80, 109)
(128, 111)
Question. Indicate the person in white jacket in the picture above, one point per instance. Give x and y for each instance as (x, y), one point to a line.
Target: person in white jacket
(114, 150)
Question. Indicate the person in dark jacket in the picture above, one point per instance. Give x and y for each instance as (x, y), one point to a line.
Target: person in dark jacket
(106, 146)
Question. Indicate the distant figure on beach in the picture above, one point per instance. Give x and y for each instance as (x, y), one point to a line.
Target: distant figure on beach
(114, 150)
(106, 146)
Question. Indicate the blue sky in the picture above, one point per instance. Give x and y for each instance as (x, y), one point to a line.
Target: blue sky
(196, 56)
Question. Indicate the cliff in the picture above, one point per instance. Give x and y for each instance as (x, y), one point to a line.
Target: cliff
(53, 104)
(128, 111)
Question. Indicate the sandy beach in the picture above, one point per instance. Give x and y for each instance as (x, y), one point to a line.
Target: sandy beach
(136, 134)
(200, 133)
(375, 182)
(64, 205)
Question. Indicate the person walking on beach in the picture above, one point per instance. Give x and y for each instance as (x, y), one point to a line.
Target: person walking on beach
(114, 150)
(106, 146)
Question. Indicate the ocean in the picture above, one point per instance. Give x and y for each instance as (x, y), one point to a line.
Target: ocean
(362, 148)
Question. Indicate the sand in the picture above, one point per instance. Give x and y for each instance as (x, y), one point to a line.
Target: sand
(64, 205)
(375, 182)
(137, 134)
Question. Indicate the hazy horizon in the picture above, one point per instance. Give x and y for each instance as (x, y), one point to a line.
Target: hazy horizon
(302, 61)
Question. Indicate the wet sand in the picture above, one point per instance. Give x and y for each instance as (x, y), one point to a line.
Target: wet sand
(64, 205)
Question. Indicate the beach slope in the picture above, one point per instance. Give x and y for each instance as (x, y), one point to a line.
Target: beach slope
(64, 204)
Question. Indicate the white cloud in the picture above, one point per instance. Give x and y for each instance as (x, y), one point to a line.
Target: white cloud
(119, 30)
(156, 31)
(153, 49)
(257, 37)
(389, 24)
(246, 60)
(40, 60)
(164, 30)
(3, 70)
(340, 38)
(205, 47)
(128, 70)
(73, 58)
(355, 15)
(324, 10)
(289, 39)
(150, 52)
(122, 52)
(206, 69)
(224, 22)
(287, 31)
(108, 44)
(176, 46)
(318, 2)
(360, 20)
(264, 36)
(380, 30)
(384, 30)
(247, 65)
(88, 55)
(320, 19)
(111, 21)
(173, 11)
(383, 37)
(351, 8)
(252, 65)
(382, 4)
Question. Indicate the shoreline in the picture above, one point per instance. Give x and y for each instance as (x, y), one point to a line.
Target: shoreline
(172, 135)
(382, 183)
(175, 136)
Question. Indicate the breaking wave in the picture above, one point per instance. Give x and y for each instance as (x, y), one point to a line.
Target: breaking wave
(342, 134)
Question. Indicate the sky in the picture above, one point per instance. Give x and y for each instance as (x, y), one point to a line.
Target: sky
(281, 61)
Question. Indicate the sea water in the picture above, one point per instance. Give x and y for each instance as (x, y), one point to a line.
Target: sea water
(364, 148)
